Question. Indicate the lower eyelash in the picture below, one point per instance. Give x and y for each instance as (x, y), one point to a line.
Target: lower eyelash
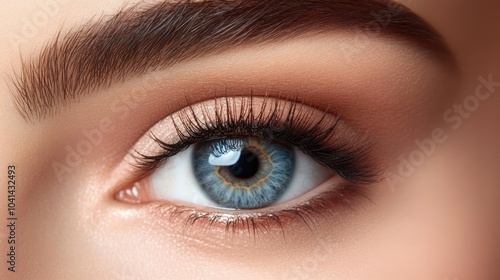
(289, 122)
(285, 121)
(323, 206)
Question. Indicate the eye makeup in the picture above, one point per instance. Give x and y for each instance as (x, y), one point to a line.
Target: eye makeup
(286, 121)
(321, 135)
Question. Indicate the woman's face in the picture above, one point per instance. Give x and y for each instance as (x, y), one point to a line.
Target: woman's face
(250, 140)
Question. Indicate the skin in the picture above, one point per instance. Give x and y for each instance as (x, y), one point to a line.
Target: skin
(440, 223)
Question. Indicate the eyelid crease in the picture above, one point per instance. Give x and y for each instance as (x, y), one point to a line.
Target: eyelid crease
(316, 133)
(146, 37)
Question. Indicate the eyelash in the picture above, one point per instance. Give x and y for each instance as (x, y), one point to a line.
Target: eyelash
(291, 124)
(323, 206)
(287, 124)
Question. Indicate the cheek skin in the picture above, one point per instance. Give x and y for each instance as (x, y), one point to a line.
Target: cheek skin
(452, 201)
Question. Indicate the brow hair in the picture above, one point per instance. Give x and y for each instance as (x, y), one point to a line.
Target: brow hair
(146, 37)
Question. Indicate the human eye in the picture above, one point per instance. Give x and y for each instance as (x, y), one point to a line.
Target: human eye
(249, 162)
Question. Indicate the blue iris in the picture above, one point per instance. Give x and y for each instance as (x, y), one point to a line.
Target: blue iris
(243, 173)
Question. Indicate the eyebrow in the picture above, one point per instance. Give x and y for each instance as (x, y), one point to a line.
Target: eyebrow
(148, 37)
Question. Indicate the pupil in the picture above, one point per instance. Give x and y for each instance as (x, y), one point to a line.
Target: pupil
(246, 167)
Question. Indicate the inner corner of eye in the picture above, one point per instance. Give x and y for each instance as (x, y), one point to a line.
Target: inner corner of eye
(230, 173)
(135, 193)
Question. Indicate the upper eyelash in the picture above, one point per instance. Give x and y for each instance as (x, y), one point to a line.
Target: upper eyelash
(299, 129)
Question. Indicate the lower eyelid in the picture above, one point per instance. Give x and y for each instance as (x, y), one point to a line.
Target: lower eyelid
(321, 209)
(327, 205)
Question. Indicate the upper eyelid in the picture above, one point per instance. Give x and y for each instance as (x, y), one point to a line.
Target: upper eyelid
(67, 67)
(310, 132)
